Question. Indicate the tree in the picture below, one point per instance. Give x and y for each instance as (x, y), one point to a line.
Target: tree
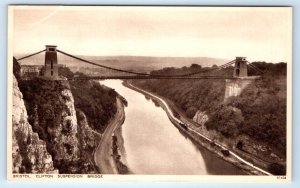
(277, 169)
(229, 121)
(259, 112)
(196, 66)
(65, 72)
(240, 145)
(16, 69)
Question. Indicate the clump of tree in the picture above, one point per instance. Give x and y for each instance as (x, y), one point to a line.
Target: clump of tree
(122, 168)
(259, 112)
(263, 105)
(177, 71)
(42, 105)
(16, 69)
(97, 102)
(46, 106)
(23, 143)
(189, 95)
(81, 166)
(277, 169)
(225, 153)
(227, 120)
(269, 69)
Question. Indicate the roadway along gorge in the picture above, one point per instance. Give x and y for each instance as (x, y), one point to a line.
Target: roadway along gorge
(103, 155)
(151, 144)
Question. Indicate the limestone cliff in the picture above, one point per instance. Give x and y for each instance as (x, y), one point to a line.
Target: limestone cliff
(64, 135)
(88, 141)
(65, 129)
(51, 110)
(89, 138)
(29, 153)
(49, 132)
(234, 88)
(200, 117)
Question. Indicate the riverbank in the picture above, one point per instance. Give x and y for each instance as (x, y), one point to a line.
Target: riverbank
(104, 156)
(118, 150)
(201, 140)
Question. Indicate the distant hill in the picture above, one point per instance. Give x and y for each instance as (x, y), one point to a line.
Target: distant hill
(140, 63)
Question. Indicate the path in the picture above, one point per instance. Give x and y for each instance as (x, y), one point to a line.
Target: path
(103, 154)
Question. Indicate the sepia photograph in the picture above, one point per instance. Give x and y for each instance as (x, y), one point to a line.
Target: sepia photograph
(149, 93)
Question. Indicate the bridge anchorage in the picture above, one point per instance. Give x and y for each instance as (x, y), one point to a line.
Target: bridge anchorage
(234, 83)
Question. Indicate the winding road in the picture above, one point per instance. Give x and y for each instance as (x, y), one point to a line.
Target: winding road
(103, 154)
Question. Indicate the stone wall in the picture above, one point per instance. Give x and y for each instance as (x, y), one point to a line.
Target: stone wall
(234, 87)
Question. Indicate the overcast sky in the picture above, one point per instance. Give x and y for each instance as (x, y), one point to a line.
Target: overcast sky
(257, 33)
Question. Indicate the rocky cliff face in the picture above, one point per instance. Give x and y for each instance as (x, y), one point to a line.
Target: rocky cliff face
(64, 138)
(88, 141)
(49, 132)
(51, 112)
(89, 138)
(68, 136)
(29, 154)
(200, 118)
(235, 87)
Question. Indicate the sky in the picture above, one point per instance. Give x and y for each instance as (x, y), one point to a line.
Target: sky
(260, 34)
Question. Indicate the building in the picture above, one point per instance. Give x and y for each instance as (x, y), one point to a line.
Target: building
(30, 71)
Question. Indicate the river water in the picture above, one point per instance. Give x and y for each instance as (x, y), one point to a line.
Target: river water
(153, 145)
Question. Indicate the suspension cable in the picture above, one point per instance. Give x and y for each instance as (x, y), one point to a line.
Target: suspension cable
(224, 66)
(227, 64)
(103, 66)
(137, 73)
(147, 74)
(252, 68)
(224, 72)
(255, 68)
(31, 55)
(207, 70)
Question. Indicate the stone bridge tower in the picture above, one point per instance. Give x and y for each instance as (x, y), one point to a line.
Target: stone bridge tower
(234, 87)
(240, 68)
(51, 65)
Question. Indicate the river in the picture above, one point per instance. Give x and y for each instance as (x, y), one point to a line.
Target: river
(153, 145)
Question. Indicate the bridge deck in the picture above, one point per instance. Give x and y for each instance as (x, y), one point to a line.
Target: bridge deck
(147, 77)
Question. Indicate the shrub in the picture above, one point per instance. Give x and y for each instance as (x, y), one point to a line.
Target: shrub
(277, 169)
(225, 153)
(259, 112)
(96, 102)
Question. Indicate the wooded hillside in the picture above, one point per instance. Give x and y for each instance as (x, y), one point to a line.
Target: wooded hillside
(259, 112)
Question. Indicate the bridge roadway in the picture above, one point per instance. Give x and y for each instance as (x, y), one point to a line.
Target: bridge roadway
(146, 77)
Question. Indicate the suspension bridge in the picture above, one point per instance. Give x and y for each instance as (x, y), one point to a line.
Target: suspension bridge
(240, 66)
(235, 83)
